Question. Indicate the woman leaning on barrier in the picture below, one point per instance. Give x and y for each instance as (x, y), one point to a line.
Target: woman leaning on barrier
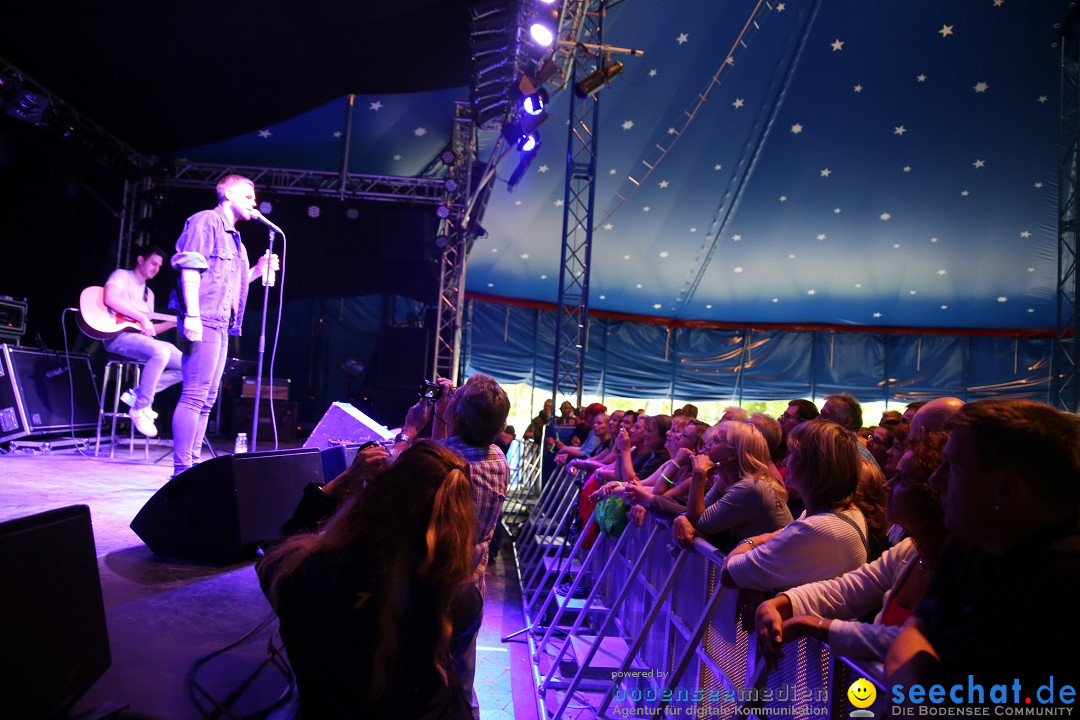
(744, 499)
(827, 540)
(895, 582)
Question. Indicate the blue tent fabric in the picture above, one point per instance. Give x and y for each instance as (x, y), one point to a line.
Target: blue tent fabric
(642, 360)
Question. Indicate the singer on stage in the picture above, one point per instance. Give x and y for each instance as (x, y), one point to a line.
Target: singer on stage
(213, 275)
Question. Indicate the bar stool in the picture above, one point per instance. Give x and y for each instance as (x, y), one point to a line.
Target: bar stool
(118, 368)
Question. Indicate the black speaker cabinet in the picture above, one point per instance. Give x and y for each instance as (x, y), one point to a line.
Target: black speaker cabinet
(52, 617)
(219, 510)
(36, 392)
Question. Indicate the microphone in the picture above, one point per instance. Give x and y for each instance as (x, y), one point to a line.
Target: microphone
(256, 215)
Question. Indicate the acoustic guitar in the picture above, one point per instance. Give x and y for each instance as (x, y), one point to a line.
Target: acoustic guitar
(97, 321)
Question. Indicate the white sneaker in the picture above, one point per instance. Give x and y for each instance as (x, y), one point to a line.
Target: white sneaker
(143, 422)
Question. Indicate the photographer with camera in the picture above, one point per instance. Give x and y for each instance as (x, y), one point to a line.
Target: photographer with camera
(467, 420)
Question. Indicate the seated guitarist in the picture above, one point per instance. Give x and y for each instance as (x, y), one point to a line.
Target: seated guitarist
(126, 293)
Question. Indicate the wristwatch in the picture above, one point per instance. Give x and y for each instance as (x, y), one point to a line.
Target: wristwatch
(402, 437)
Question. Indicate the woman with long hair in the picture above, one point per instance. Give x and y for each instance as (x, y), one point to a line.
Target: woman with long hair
(369, 606)
(830, 538)
(745, 498)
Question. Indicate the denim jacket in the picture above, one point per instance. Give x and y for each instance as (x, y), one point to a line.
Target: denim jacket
(212, 246)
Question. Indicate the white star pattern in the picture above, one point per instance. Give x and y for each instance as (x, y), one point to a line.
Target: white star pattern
(628, 125)
(907, 168)
(899, 130)
(652, 73)
(946, 31)
(739, 102)
(858, 286)
(999, 3)
(264, 134)
(896, 246)
(1031, 269)
(885, 216)
(671, 131)
(337, 134)
(836, 211)
(877, 314)
(376, 106)
(608, 226)
(826, 172)
(921, 78)
(933, 240)
(979, 163)
(1003, 299)
(693, 230)
(964, 193)
(791, 256)
(517, 203)
(738, 269)
(544, 277)
(1025, 234)
(524, 256)
(717, 167)
(663, 184)
(942, 272)
(1042, 99)
(981, 87)
(944, 307)
(656, 306)
(837, 45)
(796, 129)
(736, 238)
(397, 157)
(857, 88)
(639, 286)
(664, 254)
(811, 292)
(646, 209)
(1038, 185)
(783, 198)
(611, 171)
(822, 236)
(543, 168)
(420, 132)
(683, 38)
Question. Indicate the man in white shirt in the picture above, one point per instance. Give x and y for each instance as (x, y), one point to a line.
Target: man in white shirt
(126, 293)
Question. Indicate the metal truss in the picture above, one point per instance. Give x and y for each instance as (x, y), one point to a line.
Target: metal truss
(572, 320)
(1065, 368)
(452, 230)
(314, 183)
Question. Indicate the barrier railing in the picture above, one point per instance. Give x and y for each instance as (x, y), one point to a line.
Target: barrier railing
(632, 627)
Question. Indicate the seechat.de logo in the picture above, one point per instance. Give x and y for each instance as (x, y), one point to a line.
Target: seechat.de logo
(862, 695)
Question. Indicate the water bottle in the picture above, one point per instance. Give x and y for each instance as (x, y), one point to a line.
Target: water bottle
(269, 277)
(241, 444)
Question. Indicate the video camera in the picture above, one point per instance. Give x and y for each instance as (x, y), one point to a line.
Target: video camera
(430, 391)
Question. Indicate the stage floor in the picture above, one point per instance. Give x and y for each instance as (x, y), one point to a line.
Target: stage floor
(163, 614)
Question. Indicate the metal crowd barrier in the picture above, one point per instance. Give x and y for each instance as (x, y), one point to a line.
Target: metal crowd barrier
(634, 628)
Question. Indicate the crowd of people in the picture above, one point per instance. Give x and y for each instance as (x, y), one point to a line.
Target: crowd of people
(923, 542)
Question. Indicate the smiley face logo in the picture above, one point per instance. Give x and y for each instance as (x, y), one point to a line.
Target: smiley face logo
(862, 694)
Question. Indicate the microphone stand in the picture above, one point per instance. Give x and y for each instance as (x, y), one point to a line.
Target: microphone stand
(262, 349)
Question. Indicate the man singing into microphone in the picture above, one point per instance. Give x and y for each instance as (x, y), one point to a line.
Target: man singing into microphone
(213, 272)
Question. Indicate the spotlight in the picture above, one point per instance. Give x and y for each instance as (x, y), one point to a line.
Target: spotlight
(541, 34)
(443, 212)
(313, 211)
(451, 185)
(266, 207)
(442, 241)
(447, 156)
(528, 142)
(601, 77)
(534, 103)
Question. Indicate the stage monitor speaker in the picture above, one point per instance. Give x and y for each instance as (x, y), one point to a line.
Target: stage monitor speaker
(343, 424)
(219, 510)
(52, 617)
(36, 394)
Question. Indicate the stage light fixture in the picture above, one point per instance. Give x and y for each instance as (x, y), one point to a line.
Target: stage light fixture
(534, 103)
(528, 142)
(451, 185)
(447, 156)
(599, 79)
(442, 241)
(442, 212)
(541, 34)
(313, 211)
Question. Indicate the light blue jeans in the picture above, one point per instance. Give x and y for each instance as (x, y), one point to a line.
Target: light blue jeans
(161, 363)
(202, 366)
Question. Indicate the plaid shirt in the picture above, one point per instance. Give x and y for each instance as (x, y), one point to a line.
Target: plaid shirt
(490, 477)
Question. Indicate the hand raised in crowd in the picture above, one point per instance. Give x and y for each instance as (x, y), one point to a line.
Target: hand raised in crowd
(367, 464)
(417, 417)
(622, 441)
(683, 532)
(682, 456)
(703, 464)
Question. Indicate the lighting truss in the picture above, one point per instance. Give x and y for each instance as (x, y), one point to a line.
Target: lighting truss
(452, 264)
(1065, 365)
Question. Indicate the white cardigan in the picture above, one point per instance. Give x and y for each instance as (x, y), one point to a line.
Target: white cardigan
(853, 595)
